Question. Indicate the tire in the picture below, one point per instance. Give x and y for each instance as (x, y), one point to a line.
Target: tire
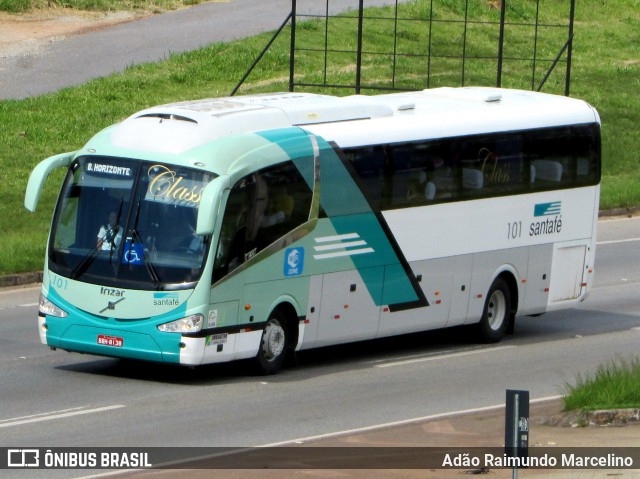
(273, 345)
(496, 314)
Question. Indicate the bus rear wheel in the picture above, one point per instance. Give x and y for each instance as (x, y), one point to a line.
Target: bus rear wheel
(497, 312)
(273, 345)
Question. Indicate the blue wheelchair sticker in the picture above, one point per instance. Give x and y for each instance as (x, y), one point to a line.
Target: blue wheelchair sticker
(293, 261)
(133, 253)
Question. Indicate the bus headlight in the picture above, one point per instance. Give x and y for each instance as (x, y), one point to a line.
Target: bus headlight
(189, 324)
(47, 308)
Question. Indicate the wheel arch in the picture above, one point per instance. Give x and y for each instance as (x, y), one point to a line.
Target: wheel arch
(288, 309)
(509, 275)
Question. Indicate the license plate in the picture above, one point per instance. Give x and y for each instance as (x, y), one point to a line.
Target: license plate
(113, 341)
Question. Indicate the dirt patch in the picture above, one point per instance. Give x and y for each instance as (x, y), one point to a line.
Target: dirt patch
(26, 33)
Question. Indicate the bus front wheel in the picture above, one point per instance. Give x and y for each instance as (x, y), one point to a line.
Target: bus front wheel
(273, 345)
(497, 312)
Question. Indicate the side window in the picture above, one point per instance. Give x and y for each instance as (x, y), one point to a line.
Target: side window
(411, 174)
(444, 172)
(551, 159)
(288, 204)
(262, 208)
(564, 157)
(493, 166)
(370, 163)
(405, 174)
(586, 144)
(422, 172)
(425, 172)
(405, 184)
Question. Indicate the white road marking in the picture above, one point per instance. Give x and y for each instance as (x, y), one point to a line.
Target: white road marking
(403, 422)
(441, 356)
(331, 435)
(628, 240)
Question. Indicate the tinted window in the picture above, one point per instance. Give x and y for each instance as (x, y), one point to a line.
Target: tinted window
(455, 169)
(262, 208)
(129, 223)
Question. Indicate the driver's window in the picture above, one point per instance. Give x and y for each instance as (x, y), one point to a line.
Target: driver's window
(262, 208)
(233, 234)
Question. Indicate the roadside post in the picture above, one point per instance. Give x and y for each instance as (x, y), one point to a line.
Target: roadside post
(516, 427)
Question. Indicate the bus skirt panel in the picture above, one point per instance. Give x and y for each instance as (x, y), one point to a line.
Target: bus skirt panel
(111, 342)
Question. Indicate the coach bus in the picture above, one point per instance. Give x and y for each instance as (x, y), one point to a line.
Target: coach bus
(253, 227)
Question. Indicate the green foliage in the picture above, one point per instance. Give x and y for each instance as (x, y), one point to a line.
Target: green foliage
(15, 6)
(614, 385)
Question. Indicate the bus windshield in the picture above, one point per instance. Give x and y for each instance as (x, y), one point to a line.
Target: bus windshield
(129, 224)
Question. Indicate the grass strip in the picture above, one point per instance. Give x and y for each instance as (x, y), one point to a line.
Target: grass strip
(614, 385)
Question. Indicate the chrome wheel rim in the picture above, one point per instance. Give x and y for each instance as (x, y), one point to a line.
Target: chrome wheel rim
(496, 309)
(274, 340)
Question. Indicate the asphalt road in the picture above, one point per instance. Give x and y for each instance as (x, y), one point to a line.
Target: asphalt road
(58, 399)
(77, 59)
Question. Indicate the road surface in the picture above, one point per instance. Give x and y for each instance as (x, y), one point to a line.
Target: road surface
(57, 398)
(77, 59)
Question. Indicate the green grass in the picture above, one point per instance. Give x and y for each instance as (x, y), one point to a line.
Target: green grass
(615, 385)
(606, 73)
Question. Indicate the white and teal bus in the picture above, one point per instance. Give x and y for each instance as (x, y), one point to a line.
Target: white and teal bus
(252, 227)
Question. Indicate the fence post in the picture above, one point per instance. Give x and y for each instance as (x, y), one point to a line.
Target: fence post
(359, 52)
(503, 11)
(292, 48)
(567, 78)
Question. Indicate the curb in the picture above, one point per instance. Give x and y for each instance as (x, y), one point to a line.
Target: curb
(20, 279)
(628, 212)
(613, 417)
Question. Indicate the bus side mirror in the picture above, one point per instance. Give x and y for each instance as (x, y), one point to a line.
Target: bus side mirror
(209, 205)
(40, 174)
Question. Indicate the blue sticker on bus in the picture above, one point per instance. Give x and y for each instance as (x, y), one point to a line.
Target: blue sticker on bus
(133, 253)
(293, 261)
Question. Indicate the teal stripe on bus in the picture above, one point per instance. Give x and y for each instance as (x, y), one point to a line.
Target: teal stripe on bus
(350, 213)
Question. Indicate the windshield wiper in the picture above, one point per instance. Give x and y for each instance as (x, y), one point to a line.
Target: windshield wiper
(135, 237)
(82, 267)
(115, 231)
